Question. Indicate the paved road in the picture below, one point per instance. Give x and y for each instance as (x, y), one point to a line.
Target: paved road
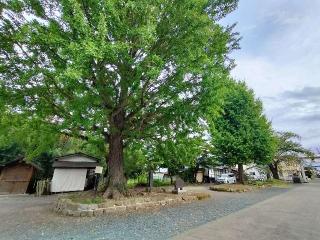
(27, 217)
(288, 216)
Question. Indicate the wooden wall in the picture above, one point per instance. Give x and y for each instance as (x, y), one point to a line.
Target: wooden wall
(16, 178)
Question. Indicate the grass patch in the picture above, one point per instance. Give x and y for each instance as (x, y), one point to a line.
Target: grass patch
(232, 188)
(270, 183)
(258, 183)
(86, 198)
(95, 200)
(202, 196)
(278, 183)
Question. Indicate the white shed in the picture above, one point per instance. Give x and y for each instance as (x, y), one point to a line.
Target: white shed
(160, 173)
(71, 171)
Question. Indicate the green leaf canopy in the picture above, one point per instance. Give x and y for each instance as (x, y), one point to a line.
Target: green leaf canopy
(78, 65)
(241, 134)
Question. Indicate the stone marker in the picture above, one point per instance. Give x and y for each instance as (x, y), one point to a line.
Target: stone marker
(178, 186)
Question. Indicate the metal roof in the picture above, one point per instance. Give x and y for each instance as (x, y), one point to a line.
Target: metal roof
(65, 164)
(20, 160)
(59, 158)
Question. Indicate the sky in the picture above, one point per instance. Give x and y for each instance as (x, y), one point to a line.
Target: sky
(280, 60)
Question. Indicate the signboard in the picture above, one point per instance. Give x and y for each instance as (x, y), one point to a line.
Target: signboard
(98, 170)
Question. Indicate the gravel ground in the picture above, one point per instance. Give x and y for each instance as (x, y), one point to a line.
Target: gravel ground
(35, 221)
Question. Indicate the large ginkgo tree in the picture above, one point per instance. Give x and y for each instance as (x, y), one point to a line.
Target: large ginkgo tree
(112, 71)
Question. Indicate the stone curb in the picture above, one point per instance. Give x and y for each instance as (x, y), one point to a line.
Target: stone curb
(66, 207)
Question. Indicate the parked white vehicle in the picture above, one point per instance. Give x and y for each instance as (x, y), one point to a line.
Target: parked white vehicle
(226, 178)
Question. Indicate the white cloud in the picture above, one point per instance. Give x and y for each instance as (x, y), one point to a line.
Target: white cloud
(262, 75)
(280, 60)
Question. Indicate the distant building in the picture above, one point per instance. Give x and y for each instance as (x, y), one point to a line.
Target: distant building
(288, 169)
(254, 172)
(312, 163)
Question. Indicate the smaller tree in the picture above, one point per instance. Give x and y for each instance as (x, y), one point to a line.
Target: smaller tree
(180, 152)
(175, 148)
(241, 134)
(288, 150)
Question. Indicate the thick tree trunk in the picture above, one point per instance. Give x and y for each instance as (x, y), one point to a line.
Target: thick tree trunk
(116, 181)
(240, 171)
(274, 170)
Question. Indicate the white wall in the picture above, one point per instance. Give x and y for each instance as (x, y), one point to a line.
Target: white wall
(68, 179)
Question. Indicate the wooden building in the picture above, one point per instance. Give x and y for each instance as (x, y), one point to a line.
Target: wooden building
(71, 172)
(16, 176)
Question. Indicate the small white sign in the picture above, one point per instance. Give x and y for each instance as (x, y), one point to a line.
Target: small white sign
(98, 170)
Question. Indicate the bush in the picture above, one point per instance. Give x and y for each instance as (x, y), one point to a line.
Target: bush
(140, 181)
(161, 183)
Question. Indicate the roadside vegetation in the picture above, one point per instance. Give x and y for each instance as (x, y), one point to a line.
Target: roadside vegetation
(250, 186)
(143, 182)
(232, 188)
(270, 183)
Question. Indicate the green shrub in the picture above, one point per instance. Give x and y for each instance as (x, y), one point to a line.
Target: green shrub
(161, 183)
(141, 181)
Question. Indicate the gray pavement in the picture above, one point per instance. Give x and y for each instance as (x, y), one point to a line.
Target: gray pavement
(28, 217)
(288, 216)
